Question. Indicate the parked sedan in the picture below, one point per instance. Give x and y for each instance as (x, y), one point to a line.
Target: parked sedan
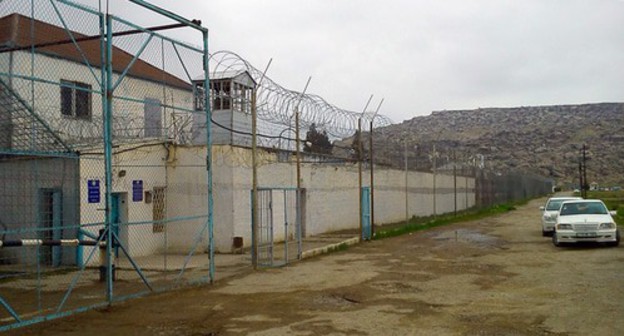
(585, 221)
(550, 211)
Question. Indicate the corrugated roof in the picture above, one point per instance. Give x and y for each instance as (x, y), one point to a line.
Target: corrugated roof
(232, 73)
(15, 31)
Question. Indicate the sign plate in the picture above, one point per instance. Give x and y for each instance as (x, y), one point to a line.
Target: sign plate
(137, 191)
(93, 191)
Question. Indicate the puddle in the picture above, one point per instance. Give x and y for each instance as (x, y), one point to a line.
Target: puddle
(467, 236)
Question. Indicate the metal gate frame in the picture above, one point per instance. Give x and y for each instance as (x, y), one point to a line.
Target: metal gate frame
(106, 86)
(269, 254)
(366, 213)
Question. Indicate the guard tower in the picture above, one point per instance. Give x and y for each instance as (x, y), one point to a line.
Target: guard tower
(230, 96)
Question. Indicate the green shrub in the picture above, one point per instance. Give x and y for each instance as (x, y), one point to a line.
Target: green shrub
(423, 223)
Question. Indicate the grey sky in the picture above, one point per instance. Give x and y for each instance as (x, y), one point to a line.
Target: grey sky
(423, 55)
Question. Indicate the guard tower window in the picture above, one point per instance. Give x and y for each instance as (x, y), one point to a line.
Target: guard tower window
(198, 94)
(222, 95)
(241, 98)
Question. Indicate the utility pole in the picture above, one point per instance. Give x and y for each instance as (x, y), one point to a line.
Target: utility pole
(585, 185)
(580, 170)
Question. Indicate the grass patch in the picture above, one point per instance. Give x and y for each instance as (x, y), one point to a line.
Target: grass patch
(424, 223)
(338, 248)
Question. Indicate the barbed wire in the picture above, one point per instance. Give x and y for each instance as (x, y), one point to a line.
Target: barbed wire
(277, 104)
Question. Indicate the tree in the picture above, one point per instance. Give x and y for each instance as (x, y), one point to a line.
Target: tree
(317, 142)
(355, 146)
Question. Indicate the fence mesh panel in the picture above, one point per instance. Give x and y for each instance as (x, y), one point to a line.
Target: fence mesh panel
(106, 164)
(97, 138)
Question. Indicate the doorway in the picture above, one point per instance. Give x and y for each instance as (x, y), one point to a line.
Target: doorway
(119, 219)
(51, 222)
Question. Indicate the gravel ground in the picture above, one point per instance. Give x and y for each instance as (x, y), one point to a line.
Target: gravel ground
(496, 276)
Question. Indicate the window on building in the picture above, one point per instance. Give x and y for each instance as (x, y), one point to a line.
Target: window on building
(75, 99)
(152, 116)
(198, 94)
(222, 95)
(158, 209)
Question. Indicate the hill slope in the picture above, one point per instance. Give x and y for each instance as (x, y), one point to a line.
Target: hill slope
(545, 140)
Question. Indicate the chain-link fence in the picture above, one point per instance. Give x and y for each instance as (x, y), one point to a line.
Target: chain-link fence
(499, 188)
(107, 162)
(105, 191)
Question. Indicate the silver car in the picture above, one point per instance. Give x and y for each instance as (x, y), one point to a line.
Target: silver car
(550, 211)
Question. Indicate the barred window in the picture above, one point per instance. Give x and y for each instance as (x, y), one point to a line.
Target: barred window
(76, 100)
(152, 112)
(158, 209)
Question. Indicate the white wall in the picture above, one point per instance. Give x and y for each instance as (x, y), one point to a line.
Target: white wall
(332, 198)
(128, 106)
(146, 164)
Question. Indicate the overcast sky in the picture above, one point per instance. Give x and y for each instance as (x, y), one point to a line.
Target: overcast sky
(423, 55)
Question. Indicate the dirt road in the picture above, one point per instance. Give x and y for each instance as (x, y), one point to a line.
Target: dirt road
(497, 276)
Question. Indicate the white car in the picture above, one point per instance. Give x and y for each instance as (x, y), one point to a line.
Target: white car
(585, 221)
(550, 211)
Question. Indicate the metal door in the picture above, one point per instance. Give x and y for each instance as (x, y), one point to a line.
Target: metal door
(51, 223)
(279, 226)
(119, 212)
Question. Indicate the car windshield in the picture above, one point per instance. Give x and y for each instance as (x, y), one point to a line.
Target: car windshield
(583, 208)
(554, 205)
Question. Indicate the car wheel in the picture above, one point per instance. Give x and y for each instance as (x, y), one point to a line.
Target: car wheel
(544, 233)
(555, 240)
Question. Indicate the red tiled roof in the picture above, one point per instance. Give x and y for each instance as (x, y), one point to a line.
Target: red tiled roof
(15, 31)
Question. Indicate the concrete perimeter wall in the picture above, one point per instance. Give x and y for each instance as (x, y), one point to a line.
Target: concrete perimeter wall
(331, 193)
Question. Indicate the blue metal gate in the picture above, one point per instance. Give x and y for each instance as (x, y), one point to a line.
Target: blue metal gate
(366, 214)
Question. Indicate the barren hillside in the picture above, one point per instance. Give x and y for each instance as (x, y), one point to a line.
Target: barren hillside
(545, 140)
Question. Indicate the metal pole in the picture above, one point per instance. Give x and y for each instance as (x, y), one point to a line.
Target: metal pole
(108, 149)
(372, 175)
(193, 24)
(586, 185)
(208, 113)
(406, 181)
(455, 179)
(466, 185)
(372, 179)
(298, 157)
(254, 183)
(254, 169)
(434, 180)
(360, 149)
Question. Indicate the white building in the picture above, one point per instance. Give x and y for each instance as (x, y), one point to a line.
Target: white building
(52, 169)
(52, 105)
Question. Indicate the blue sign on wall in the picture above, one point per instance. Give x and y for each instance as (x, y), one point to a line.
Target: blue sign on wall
(93, 191)
(137, 191)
